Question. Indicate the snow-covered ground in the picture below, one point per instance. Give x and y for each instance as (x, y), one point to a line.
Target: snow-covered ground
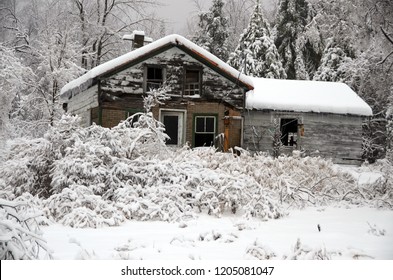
(346, 233)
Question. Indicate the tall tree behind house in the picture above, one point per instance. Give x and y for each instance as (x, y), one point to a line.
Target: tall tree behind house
(297, 39)
(212, 34)
(256, 54)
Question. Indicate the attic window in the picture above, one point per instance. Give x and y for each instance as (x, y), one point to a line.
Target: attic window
(192, 82)
(289, 132)
(154, 77)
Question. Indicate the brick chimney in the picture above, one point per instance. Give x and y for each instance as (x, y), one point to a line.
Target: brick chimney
(138, 39)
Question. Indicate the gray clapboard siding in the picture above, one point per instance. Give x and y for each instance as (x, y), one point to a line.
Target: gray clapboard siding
(330, 135)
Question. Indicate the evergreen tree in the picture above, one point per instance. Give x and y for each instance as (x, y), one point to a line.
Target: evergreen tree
(213, 31)
(256, 52)
(297, 39)
(335, 63)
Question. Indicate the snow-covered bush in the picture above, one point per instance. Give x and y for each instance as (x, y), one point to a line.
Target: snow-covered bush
(259, 251)
(20, 237)
(79, 207)
(95, 176)
(303, 252)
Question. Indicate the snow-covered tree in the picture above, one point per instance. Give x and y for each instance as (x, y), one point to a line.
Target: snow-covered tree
(335, 62)
(238, 13)
(101, 23)
(212, 34)
(256, 53)
(297, 39)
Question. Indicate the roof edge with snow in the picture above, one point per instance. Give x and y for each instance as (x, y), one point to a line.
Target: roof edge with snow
(115, 65)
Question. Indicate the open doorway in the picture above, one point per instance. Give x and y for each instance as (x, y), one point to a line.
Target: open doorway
(174, 126)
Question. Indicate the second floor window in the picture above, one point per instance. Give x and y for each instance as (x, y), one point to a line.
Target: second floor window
(192, 83)
(154, 77)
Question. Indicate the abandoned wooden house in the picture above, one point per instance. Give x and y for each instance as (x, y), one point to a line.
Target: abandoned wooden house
(320, 118)
(209, 98)
(206, 95)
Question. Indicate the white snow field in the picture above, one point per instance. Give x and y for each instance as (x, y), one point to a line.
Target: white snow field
(346, 233)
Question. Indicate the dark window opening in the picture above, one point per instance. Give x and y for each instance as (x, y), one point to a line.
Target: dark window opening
(154, 78)
(192, 84)
(205, 131)
(289, 132)
(135, 117)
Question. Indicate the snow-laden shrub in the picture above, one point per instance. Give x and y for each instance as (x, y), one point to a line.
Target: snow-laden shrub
(259, 251)
(77, 206)
(20, 236)
(27, 167)
(378, 193)
(303, 252)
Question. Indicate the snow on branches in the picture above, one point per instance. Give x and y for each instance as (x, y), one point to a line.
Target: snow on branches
(95, 176)
(20, 237)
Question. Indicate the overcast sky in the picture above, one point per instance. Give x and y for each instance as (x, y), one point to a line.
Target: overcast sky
(177, 12)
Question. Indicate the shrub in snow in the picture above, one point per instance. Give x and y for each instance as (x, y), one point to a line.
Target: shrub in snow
(303, 252)
(374, 230)
(79, 207)
(20, 237)
(27, 167)
(259, 251)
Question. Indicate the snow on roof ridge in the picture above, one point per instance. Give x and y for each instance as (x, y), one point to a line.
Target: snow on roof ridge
(86, 80)
(305, 96)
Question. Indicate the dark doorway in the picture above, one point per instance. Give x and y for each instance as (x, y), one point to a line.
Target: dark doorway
(172, 129)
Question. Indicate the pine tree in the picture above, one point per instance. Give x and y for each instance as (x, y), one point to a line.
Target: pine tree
(335, 63)
(256, 53)
(213, 31)
(297, 39)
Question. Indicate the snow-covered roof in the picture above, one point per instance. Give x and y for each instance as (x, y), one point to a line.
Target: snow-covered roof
(305, 96)
(86, 80)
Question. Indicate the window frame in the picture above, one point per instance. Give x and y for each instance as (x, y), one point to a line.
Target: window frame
(145, 76)
(199, 83)
(204, 115)
(131, 111)
(291, 119)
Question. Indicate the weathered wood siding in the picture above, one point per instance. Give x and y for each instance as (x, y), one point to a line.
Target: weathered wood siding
(125, 88)
(329, 135)
(82, 103)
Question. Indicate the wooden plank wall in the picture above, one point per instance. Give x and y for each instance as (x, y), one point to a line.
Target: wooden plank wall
(329, 135)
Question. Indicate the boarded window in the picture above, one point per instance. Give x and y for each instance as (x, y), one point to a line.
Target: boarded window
(154, 78)
(192, 82)
(205, 130)
(289, 134)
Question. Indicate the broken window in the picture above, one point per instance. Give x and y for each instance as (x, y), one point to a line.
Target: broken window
(192, 82)
(154, 78)
(205, 131)
(289, 132)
